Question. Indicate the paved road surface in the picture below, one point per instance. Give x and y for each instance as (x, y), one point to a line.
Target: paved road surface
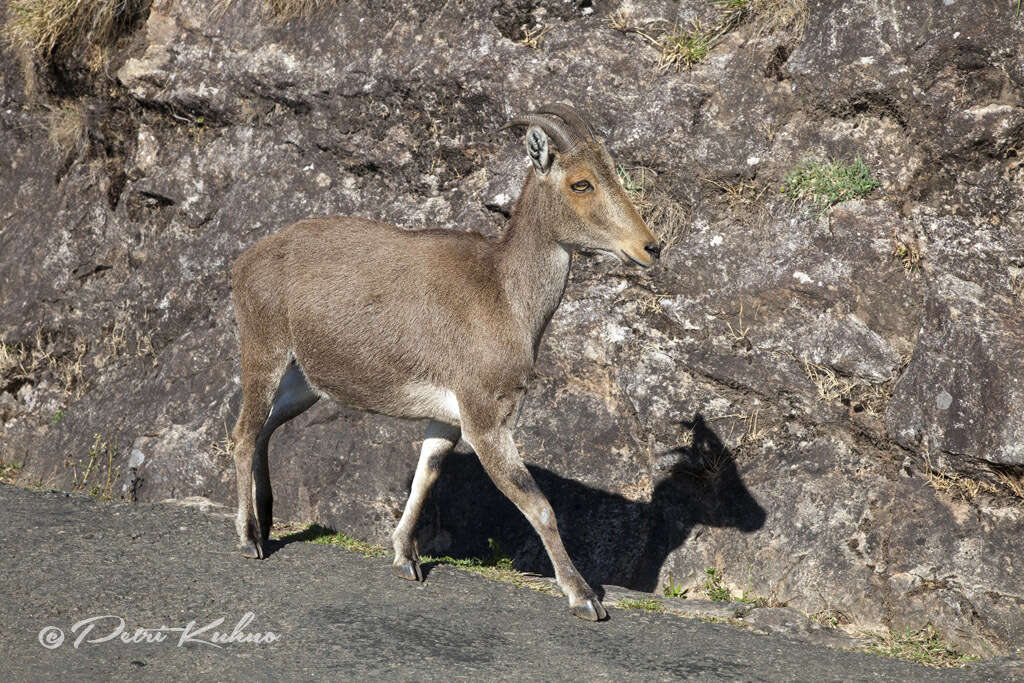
(338, 615)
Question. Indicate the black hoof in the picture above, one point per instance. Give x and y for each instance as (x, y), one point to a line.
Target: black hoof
(252, 550)
(590, 609)
(408, 570)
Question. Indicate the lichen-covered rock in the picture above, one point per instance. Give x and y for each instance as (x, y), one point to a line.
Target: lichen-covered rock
(826, 408)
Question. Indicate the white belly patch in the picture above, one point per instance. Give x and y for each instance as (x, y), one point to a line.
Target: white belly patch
(429, 400)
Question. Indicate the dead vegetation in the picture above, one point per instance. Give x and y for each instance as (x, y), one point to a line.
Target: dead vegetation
(856, 394)
(755, 430)
(906, 251)
(50, 29)
(683, 47)
(997, 481)
(66, 127)
(282, 11)
(25, 363)
(531, 37)
(222, 447)
(742, 199)
(780, 16)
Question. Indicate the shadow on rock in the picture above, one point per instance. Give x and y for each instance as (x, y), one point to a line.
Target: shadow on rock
(611, 539)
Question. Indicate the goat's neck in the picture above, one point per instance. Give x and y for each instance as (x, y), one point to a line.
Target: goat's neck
(533, 266)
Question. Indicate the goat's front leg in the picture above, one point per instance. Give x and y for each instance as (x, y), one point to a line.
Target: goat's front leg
(500, 457)
(439, 440)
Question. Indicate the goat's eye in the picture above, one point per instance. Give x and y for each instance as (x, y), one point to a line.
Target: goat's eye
(581, 186)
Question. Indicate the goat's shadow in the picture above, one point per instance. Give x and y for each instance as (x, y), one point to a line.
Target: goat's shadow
(611, 539)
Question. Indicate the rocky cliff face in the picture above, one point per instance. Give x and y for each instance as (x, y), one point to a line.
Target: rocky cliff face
(826, 407)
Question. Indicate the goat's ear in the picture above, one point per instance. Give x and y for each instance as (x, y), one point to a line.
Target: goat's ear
(537, 149)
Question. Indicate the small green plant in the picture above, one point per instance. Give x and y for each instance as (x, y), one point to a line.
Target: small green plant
(906, 252)
(648, 604)
(923, 646)
(673, 590)
(57, 417)
(823, 184)
(713, 587)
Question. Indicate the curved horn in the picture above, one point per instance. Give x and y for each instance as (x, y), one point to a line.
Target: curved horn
(564, 138)
(570, 116)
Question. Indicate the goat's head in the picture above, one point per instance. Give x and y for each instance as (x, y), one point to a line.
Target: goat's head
(588, 206)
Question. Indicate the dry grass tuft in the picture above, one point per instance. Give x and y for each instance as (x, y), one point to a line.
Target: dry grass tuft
(780, 16)
(282, 11)
(854, 393)
(9, 472)
(22, 363)
(222, 448)
(12, 360)
(54, 28)
(66, 126)
(1002, 482)
(742, 199)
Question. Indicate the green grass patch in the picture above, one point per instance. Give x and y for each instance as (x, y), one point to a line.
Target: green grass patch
(497, 566)
(648, 604)
(321, 535)
(823, 184)
(923, 646)
(683, 48)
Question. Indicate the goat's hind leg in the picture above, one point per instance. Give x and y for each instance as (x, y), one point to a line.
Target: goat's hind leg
(264, 409)
(293, 397)
(256, 389)
(439, 440)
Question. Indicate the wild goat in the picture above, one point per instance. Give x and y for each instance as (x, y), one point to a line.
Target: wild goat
(429, 324)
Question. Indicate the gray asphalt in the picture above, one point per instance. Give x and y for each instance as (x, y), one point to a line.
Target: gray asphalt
(336, 615)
